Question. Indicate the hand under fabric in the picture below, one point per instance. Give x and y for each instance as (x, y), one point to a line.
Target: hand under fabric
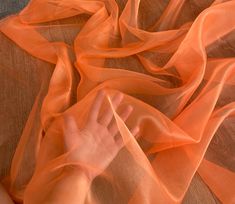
(99, 141)
(92, 147)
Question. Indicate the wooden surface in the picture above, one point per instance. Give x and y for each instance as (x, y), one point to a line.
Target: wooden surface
(197, 193)
(11, 6)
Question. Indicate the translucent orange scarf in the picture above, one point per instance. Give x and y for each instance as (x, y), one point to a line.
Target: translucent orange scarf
(174, 62)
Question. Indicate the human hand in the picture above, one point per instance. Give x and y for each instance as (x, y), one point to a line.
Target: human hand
(98, 142)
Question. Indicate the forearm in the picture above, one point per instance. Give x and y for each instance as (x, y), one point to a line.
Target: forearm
(73, 186)
(70, 186)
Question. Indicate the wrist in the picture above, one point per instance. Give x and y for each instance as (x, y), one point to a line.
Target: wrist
(80, 172)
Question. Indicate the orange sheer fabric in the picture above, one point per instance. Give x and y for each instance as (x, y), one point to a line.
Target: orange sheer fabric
(174, 62)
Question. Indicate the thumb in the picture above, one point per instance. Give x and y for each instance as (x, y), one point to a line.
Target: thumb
(70, 131)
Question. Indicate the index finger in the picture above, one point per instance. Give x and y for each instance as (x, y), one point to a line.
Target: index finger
(95, 108)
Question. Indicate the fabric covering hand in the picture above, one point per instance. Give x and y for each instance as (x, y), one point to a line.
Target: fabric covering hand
(98, 142)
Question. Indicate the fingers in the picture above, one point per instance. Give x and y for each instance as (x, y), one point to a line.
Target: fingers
(113, 129)
(134, 132)
(70, 132)
(70, 125)
(95, 108)
(108, 115)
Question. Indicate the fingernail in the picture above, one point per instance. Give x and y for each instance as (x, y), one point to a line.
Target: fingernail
(101, 92)
(119, 95)
(130, 108)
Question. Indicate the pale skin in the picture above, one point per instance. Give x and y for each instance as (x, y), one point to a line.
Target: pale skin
(98, 143)
(5, 198)
(97, 150)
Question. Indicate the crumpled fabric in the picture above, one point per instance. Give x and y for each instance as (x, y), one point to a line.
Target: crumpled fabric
(173, 61)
